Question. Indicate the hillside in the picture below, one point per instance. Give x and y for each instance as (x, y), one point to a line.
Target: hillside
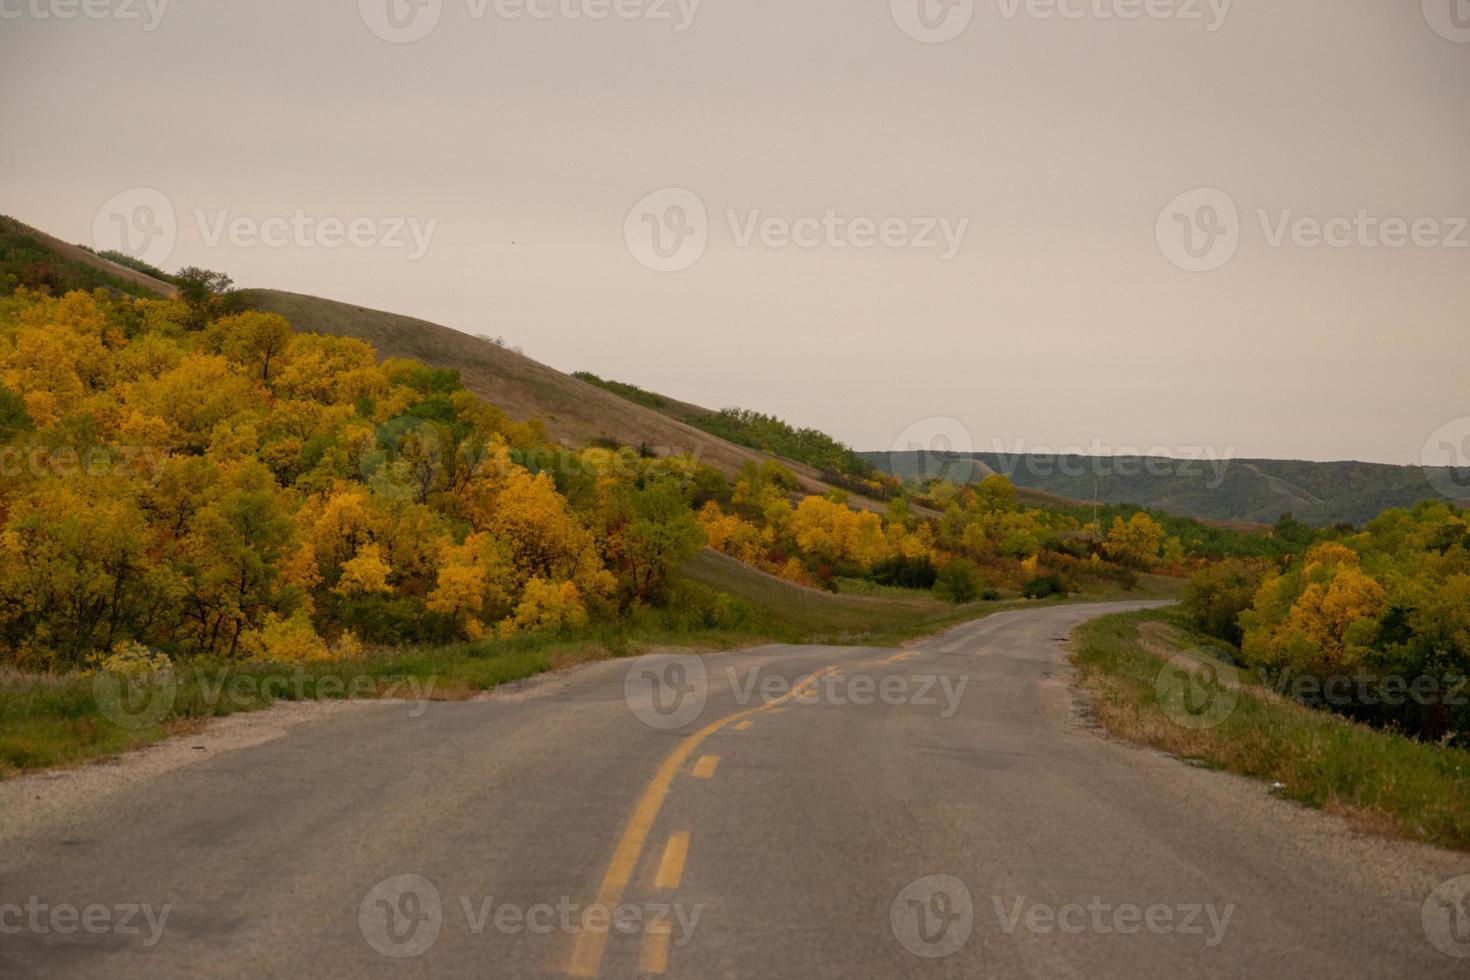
(1244, 490)
(575, 412)
(31, 257)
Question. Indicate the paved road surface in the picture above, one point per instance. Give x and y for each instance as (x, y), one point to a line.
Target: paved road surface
(937, 811)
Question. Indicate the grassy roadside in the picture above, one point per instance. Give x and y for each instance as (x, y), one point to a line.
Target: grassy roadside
(57, 721)
(1382, 782)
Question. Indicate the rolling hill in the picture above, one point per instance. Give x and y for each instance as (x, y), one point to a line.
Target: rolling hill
(1246, 490)
(581, 410)
(576, 412)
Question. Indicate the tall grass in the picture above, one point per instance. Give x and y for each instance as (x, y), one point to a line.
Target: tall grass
(1380, 780)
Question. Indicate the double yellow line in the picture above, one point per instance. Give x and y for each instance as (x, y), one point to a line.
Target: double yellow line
(587, 954)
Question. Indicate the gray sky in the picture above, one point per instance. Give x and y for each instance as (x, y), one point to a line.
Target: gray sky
(1062, 319)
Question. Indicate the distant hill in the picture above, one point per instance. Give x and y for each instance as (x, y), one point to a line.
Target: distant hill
(1241, 490)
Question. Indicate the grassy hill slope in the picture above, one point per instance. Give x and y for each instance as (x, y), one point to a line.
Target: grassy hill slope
(31, 257)
(575, 412)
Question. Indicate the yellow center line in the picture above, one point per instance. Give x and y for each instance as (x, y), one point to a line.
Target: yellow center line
(902, 656)
(586, 959)
(671, 867)
(742, 726)
(705, 767)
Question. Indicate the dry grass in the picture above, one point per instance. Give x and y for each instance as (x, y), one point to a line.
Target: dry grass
(576, 413)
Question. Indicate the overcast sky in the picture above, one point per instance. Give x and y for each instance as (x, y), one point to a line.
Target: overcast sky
(995, 229)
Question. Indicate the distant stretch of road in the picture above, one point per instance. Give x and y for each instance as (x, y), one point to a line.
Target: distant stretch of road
(938, 810)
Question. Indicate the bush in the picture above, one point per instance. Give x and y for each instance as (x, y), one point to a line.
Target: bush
(1215, 596)
(1044, 586)
(959, 581)
(907, 573)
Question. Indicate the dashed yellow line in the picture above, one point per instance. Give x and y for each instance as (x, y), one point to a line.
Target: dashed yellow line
(742, 726)
(705, 767)
(587, 953)
(653, 952)
(905, 655)
(671, 867)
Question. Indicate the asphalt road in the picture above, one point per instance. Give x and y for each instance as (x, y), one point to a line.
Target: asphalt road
(936, 811)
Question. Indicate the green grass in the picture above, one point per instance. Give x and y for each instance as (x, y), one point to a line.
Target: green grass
(1381, 781)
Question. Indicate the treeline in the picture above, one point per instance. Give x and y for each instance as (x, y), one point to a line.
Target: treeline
(1372, 623)
(183, 483)
(839, 464)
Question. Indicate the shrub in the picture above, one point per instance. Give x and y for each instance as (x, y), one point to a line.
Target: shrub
(1044, 586)
(959, 581)
(1216, 595)
(905, 572)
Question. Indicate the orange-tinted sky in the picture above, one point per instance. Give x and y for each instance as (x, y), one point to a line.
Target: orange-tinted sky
(994, 231)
